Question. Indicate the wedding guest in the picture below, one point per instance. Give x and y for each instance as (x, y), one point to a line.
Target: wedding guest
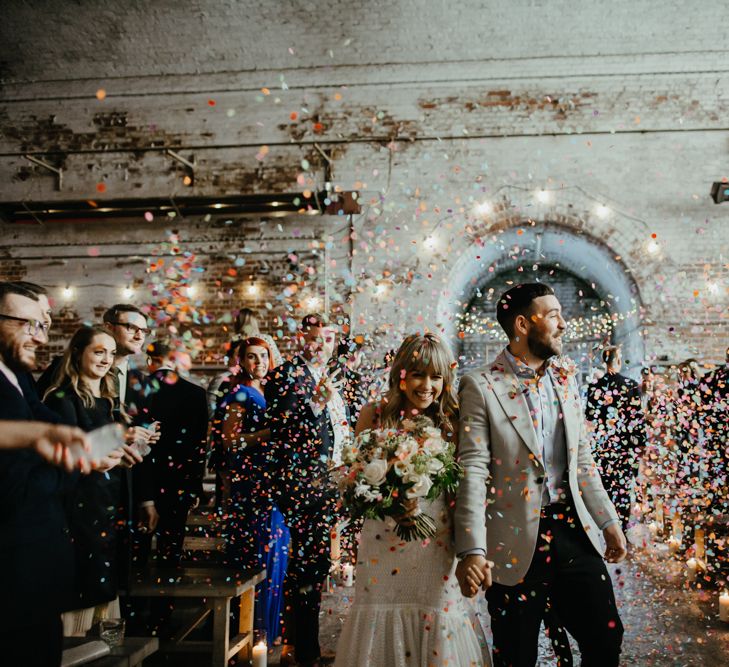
(406, 591)
(256, 534)
(168, 483)
(246, 325)
(308, 430)
(614, 408)
(83, 395)
(355, 390)
(36, 556)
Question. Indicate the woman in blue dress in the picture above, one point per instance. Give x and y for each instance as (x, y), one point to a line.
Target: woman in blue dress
(256, 535)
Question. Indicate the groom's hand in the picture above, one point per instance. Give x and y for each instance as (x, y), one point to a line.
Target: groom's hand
(472, 572)
(616, 544)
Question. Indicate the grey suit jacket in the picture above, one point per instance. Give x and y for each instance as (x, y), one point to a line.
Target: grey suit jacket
(499, 500)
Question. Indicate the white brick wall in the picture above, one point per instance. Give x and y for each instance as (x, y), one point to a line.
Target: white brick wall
(426, 106)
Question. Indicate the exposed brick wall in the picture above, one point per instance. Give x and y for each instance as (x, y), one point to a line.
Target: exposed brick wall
(426, 112)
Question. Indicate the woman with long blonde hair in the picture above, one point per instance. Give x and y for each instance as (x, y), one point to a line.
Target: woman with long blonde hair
(408, 608)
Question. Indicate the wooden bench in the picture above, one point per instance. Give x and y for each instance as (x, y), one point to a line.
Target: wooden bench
(216, 586)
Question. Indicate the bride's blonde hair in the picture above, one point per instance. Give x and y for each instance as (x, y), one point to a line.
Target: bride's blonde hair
(427, 354)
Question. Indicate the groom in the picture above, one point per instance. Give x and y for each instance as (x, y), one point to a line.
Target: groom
(532, 501)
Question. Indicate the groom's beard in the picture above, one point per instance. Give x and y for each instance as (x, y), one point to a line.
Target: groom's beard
(542, 346)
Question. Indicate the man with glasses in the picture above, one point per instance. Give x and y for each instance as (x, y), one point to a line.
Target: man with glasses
(36, 557)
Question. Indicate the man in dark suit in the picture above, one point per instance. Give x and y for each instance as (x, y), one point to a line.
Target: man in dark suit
(169, 480)
(36, 556)
(615, 410)
(307, 418)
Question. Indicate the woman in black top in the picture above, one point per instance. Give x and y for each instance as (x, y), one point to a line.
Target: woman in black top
(83, 395)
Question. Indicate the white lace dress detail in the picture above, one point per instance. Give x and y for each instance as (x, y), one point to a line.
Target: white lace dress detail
(408, 610)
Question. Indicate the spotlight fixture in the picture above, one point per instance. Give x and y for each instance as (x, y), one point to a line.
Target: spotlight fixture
(720, 191)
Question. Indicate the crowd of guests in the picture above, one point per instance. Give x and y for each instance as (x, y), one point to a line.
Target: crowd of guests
(72, 532)
(271, 430)
(664, 437)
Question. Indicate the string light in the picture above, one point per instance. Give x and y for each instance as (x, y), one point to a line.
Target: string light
(484, 208)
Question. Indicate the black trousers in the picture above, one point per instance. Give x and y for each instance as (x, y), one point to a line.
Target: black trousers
(307, 571)
(37, 645)
(170, 533)
(566, 571)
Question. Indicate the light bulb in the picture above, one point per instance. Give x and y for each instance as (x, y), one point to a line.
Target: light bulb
(544, 196)
(484, 208)
(68, 292)
(127, 292)
(653, 247)
(602, 211)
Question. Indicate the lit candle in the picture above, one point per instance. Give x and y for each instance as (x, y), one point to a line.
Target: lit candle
(348, 574)
(336, 544)
(699, 543)
(260, 655)
(691, 568)
(724, 607)
(674, 544)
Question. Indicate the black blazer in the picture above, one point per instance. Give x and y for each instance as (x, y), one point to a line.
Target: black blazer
(36, 557)
(177, 460)
(301, 442)
(92, 508)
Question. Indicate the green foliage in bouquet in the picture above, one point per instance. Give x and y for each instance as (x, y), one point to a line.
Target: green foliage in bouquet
(386, 471)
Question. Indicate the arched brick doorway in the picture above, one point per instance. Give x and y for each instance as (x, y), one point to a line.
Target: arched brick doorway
(577, 262)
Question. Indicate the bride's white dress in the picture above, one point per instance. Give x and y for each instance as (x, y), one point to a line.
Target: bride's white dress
(408, 610)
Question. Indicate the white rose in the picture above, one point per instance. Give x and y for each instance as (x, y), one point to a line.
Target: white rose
(421, 485)
(435, 445)
(434, 466)
(407, 449)
(375, 472)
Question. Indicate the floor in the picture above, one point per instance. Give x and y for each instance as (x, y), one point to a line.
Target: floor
(666, 623)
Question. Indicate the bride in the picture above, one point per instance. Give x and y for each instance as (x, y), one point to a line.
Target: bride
(408, 609)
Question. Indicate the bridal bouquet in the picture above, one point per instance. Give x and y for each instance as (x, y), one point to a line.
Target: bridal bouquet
(386, 470)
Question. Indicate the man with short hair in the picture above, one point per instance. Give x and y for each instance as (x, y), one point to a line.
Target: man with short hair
(531, 500)
(309, 426)
(128, 325)
(36, 556)
(169, 480)
(614, 408)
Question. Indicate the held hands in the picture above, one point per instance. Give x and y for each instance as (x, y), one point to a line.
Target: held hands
(473, 572)
(617, 546)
